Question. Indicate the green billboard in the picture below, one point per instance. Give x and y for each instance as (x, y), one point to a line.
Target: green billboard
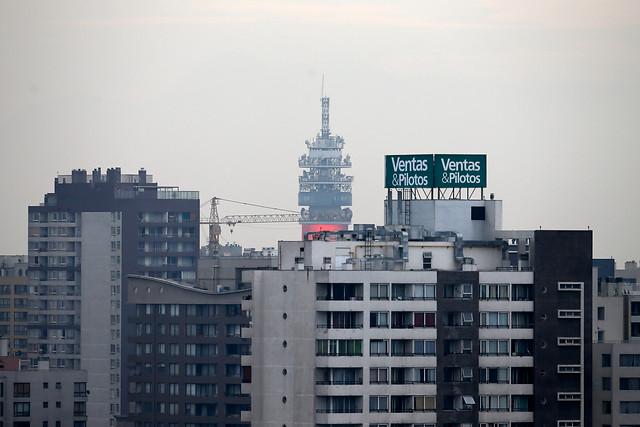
(460, 170)
(408, 171)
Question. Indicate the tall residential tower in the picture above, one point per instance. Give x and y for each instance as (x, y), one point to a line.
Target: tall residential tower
(84, 240)
(324, 188)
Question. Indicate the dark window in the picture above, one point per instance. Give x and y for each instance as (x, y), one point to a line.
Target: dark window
(21, 409)
(635, 308)
(629, 360)
(58, 385)
(600, 313)
(79, 409)
(606, 406)
(79, 389)
(606, 360)
(629, 383)
(22, 390)
(606, 383)
(477, 213)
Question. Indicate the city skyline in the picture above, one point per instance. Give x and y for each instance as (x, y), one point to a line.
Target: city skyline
(220, 98)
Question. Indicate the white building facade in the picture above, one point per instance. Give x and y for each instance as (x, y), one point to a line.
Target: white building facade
(437, 319)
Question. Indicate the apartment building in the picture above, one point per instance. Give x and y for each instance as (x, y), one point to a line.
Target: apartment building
(186, 369)
(437, 318)
(616, 345)
(40, 396)
(84, 239)
(14, 302)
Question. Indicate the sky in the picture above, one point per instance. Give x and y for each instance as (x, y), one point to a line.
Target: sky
(220, 96)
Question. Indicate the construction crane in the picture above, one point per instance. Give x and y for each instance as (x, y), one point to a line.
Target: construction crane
(214, 221)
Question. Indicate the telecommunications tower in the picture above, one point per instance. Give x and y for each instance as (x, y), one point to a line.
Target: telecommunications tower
(324, 188)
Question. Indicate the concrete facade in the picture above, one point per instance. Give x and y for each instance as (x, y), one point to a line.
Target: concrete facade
(406, 325)
(43, 397)
(616, 345)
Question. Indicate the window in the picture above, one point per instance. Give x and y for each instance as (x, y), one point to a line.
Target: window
(494, 375)
(379, 291)
(22, 390)
(424, 347)
(200, 369)
(424, 403)
(494, 319)
(569, 314)
(378, 348)
(600, 313)
(494, 403)
(606, 406)
(378, 404)
(494, 347)
(606, 383)
(424, 291)
(569, 286)
(79, 389)
(21, 409)
(174, 369)
(426, 261)
(569, 369)
(379, 319)
(378, 376)
(569, 341)
(79, 409)
(606, 360)
(477, 213)
(336, 347)
(174, 389)
(494, 291)
(627, 360)
(174, 330)
(424, 320)
(628, 383)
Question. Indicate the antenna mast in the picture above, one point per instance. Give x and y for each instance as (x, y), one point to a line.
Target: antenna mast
(325, 113)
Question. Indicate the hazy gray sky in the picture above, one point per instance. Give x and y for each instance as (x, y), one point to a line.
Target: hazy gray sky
(219, 96)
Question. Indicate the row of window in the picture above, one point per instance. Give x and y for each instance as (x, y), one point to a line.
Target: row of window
(189, 369)
(408, 403)
(408, 347)
(402, 319)
(625, 361)
(624, 383)
(408, 375)
(189, 409)
(23, 409)
(626, 407)
(190, 310)
(427, 291)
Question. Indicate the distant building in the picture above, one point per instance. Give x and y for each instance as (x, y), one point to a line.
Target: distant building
(616, 345)
(439, 318)
(324, 188)
(84, 239)
(42, 397)
(223, 272)
(14, 303)
(186, 367)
